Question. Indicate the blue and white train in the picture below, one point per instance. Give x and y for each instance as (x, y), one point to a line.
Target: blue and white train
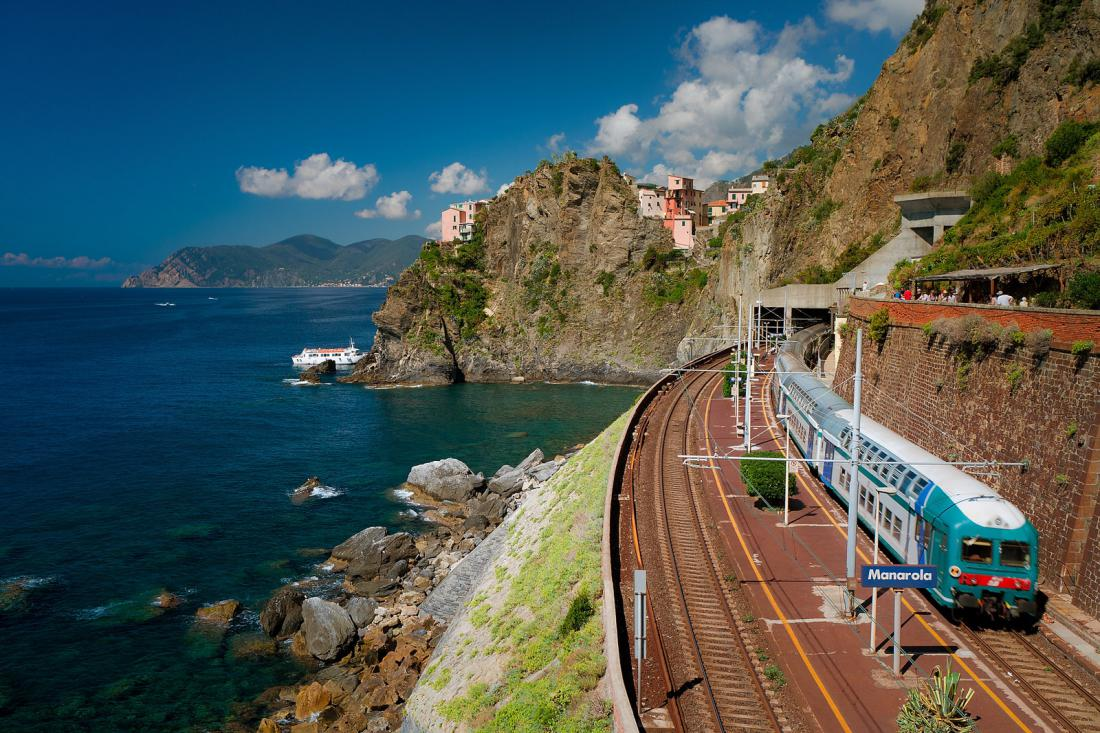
(985, 549)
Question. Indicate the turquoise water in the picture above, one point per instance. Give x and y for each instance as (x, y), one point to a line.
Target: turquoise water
(149, 448)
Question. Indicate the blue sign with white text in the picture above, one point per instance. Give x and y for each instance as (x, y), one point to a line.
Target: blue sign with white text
(897, 576)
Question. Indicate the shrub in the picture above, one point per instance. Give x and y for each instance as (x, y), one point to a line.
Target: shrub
(1066, 140)
(732, 372)
(1047, 299)
(879, 325)
(924, 25)
(938, 706)
(1071, 429)
(1082, 72)
(775, 675)
(1009, 146)
(557, 178)
(929, 331)
(605, 279)
(1039, 342)
(580, 610)
(1083, 290)
(1011, 337)
(824, 210)
(765, 478)
(1081, 350)
(954, 157)
(1014, 374)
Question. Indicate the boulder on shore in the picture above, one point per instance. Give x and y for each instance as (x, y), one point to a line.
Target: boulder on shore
(446, 480)
(328, 629)
(282, 614)
(220, 613)
(532, 460)
(362, 610)
(359, 544)
(507, 483)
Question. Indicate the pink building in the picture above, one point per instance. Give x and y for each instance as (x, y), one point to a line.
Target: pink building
(457, 221)
(737, 196)
(679, 206)
(683, 230)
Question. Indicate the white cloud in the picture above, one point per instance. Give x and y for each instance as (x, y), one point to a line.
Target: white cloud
(457, 178)
(434, 230)
(22, 259)
(394, 206)
(747, 95)
(555, 141)
(316, 177)
(504, 187)
(875, 15)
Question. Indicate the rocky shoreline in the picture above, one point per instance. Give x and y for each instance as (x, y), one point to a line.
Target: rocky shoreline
(371, 638)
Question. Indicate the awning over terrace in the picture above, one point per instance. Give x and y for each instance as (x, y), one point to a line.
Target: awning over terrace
(991, 273)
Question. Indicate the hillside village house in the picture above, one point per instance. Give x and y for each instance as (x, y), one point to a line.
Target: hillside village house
(736, 196)
(679, 206)
(458, 221)
(760, 184)
(716, 210)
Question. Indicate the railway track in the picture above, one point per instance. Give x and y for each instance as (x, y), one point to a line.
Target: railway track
(1040, 677)
(709, 654)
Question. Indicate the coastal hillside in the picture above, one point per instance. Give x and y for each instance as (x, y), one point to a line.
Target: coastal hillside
(976, 86)
(298, 261)
(562, 280)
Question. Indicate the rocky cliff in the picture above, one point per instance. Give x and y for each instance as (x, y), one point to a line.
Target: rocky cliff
(561, 281)
(976, 84)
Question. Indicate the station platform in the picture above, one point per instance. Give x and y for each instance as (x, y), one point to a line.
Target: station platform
(795, 578)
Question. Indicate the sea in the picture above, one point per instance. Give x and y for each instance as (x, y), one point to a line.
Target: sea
(150, 441)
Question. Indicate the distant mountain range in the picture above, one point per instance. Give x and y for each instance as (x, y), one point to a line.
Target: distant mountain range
(304, 260)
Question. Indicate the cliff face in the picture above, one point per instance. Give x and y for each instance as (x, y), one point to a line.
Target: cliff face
(562, 281)
(972, 79)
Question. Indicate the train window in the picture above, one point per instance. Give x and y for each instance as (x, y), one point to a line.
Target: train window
(896, 530)
(977, 549)
(1015, 554)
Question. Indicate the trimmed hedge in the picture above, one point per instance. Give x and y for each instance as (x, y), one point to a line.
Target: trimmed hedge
(765, 478)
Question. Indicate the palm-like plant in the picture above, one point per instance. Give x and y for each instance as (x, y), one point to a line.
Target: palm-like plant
(938, 706)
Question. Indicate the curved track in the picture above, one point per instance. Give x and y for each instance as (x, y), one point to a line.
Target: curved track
(1041, 677)
(706, 659)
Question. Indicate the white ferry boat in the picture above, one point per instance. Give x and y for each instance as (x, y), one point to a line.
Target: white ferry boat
(344, 357)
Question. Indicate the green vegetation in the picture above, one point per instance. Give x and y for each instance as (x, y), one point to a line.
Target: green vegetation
(1061, 479)
(659, 259)
(455, 277)
(1043, 211)
(853, 254)
(1014, 374)
(1071, 429)
(895, 123)
(924, 183)
(765, 478)
(733, 372)
(672, 287)
(605, 280)
(954, 158)
(937, 706)
(879, 325)
(556, 180)
(1082, 348)
(775, 675)
(824, 210)
(924, 25)
(1003, 67)
(1081, 72)
(1009, 146)
(552, 648)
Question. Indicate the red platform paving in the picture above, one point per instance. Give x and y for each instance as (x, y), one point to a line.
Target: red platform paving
(795, 578)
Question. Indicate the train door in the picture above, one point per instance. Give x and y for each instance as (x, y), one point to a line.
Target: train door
(827, 463)
(818, 465)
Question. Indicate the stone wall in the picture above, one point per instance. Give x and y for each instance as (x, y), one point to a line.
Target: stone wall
(1008, 406)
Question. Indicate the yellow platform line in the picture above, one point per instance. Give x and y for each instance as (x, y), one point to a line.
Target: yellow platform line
(844, 532)
(763, 583)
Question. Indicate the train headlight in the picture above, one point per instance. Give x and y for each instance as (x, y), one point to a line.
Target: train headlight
(955, 571)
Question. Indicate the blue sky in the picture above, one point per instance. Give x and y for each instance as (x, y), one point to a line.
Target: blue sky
(131, 130)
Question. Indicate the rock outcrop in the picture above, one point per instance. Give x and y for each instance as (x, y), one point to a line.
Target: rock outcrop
(221, 612)
(447, 480)
(327, 628)
(314, 373)
(933, 120)
(282, 614)
(563, 281)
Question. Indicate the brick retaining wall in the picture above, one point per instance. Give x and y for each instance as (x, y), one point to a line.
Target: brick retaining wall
(912, 385)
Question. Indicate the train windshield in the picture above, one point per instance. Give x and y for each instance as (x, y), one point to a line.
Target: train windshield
(1015, 554)
(977, 549)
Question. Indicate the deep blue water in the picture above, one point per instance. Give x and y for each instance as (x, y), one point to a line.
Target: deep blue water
(148, 448)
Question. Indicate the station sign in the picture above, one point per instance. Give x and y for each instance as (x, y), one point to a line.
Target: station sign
(897, 576)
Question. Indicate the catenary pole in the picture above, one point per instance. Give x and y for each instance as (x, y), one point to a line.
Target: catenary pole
(853, 485)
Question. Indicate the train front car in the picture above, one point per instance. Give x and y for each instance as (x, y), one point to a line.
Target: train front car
(986, 551)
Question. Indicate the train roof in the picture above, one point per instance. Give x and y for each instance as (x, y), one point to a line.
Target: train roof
(978, 502)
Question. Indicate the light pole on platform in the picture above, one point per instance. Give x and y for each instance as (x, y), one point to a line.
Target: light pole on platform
(879, 491)
(853, 485)
(786, 468)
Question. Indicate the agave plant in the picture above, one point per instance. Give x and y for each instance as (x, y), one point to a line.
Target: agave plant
(938, 706)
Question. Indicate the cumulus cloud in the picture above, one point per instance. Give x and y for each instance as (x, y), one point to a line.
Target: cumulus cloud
(434, 230)
(747, 94)
(394, 206)
(504, 187)
(457, 178)
(316, 177)
(22, 259)
(555, 142)
(875, 15)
